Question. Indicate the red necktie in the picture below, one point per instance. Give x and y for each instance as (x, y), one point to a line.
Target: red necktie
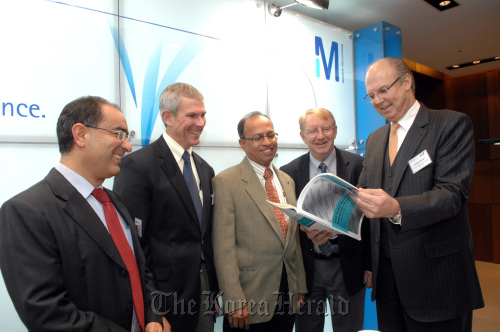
(116, 231)
(272, 195)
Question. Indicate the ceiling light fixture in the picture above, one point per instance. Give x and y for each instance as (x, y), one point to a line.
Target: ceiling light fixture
(275, 9)
(442, 5)
(473, 63)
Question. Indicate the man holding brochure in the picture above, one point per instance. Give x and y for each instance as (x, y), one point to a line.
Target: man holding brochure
(341, 274)
(417, 172)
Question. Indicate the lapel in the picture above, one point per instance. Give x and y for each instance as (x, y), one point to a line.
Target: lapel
(258, 195)
(82, 213)
(289, 192)
(412, 141)
(376, 157)
(344, 170)
(174, 174)
(206, 186)
(302, 173)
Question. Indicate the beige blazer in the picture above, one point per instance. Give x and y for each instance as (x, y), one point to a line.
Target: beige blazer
(249, 247)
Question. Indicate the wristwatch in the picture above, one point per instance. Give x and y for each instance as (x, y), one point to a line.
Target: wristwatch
(396, 219)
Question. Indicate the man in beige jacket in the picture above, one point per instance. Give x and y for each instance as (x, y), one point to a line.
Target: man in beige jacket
(257, 252)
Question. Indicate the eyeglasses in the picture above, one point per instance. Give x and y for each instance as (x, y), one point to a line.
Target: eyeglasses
(380, 93)
(259, 138)
(315, 132)
(120, 134)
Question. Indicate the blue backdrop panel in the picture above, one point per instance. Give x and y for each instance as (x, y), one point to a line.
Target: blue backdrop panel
(371, 44)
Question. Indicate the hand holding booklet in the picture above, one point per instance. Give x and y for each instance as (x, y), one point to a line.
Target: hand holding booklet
(324, 204)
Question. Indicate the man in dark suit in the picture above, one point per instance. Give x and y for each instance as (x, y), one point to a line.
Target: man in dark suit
(68, 265)
(419, 169)
(167, 189)
(257, 250)
(342, 275)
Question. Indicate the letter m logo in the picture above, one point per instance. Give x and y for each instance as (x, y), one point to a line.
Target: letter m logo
(327, 65)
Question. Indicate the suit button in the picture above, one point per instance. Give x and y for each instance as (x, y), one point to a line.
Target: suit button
(202, 243)
(130, 307)
(279, 277)
(376, 241)
(124, 273)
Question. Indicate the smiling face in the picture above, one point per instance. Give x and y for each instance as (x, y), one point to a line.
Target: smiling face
(321, 144)
(187, 125)
(103, 150)
(398, 99)
(262, 152)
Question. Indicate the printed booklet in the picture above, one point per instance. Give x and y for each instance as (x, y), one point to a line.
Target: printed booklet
(325, 205)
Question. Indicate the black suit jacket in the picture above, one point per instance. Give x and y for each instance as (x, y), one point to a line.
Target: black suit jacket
(354, 255)
(432, 252)
(60, 264)
(154, 190)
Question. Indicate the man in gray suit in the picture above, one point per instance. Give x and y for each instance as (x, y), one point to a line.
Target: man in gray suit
(256, 248)
(419, 169)
(340, 275)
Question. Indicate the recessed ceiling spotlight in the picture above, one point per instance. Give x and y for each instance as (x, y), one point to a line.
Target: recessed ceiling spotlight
(442, 4)
(472, 63)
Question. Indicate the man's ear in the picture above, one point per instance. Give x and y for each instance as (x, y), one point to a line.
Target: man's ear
(166, 116)
(80, 135)
(242, 144)
(303, 137)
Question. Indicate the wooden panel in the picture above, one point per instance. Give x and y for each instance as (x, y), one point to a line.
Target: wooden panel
(469, 94)
(495, 180)
(493, 81)
(481, 190)
(430, 91)
(496, 233)
(482, 231)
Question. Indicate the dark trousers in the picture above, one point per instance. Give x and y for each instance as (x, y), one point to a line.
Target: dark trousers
(283, 318)
(393, 318)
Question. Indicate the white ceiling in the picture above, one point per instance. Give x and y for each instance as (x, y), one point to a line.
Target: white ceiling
(435, 39)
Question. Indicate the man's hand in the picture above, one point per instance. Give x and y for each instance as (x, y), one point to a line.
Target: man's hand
(240, 318)
(316, 236)
(368, 279)
(376, 203)
(156, 327)
(301, 300)
(166, 325)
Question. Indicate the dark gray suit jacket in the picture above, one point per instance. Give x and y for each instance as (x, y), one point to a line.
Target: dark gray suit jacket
(354, 255)
(154, 191)
(432, 252)
(60, 264)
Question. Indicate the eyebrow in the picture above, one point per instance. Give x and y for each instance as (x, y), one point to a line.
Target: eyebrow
(121, 128)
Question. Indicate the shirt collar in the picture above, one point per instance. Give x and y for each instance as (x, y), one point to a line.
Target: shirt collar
(176, 148)
(407, 120)
(82, 185)
(259, 169)
(329, 162)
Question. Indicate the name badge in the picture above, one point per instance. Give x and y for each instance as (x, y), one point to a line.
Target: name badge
(138, 224)
(420, 161)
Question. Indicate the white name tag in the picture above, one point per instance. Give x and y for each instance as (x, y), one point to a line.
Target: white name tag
(420, 161)
(138, 224)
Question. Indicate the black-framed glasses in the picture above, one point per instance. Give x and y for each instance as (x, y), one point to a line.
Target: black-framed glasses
(120, 134)
(315, 132)
(260, 138)
(380, 93)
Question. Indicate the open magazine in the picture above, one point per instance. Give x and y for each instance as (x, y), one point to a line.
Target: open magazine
(324, 204)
